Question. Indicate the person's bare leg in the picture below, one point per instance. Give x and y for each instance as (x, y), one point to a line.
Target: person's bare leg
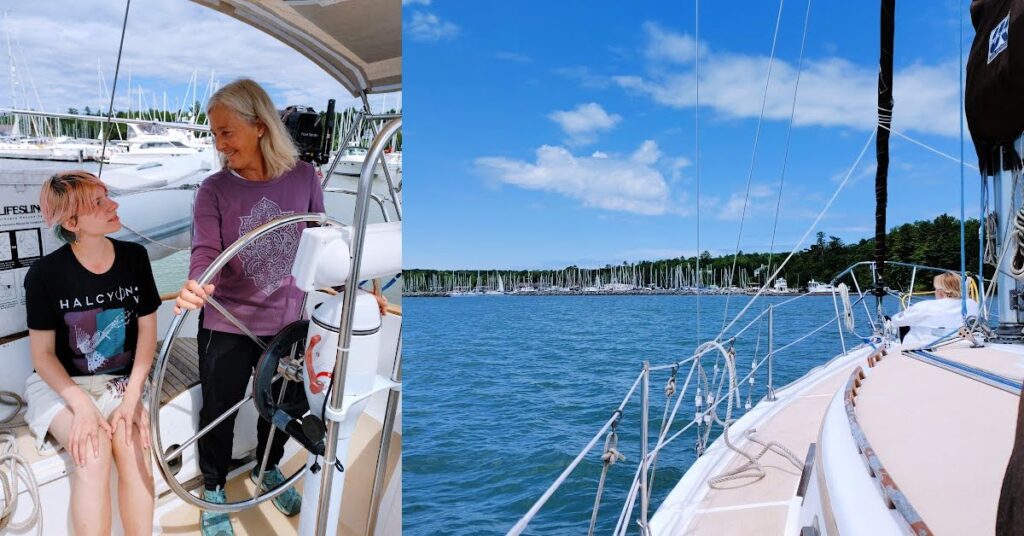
(90, 485)
(134, 483)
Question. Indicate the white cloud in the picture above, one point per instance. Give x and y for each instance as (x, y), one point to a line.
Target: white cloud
(677, 165)
(428, 27)
(833, 92)
(584, 122)
(647, 154)
(625, 184)
(60, 45)
(761, 200)
(669, 46)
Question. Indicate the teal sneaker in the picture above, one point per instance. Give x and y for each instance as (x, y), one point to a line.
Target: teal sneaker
(215, 523)
(289, 502)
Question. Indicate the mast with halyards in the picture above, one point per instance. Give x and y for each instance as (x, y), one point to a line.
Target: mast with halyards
(885, 107)
(996, 121)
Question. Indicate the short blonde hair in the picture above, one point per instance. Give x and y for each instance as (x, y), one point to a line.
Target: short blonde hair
(247, 99)
(64, 196)
(949, 283)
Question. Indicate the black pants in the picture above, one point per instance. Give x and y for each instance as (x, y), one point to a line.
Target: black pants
(226, 362)
(1010, 511)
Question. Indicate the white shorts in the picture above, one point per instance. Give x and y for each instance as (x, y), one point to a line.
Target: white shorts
(105, 390)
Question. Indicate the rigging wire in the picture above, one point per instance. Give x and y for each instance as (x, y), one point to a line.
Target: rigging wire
(753, 160)
(696, 128)
(930, 148)
(113, 91)
(963, 250)
(800, 242)
(789, 134)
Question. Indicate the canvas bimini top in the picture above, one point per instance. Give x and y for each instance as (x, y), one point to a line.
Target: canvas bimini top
(357, 42)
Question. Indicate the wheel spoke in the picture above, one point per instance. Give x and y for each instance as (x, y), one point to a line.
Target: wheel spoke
(285, 384)
(206, 429)
(238, 323)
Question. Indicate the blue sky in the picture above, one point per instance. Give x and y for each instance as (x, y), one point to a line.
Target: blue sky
(65, 51)
(544, 134)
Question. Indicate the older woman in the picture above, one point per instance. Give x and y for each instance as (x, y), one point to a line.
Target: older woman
(929, 320)
(261, 180)
(92, 332)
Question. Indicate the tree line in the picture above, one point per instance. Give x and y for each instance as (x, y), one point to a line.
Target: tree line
(934, 243)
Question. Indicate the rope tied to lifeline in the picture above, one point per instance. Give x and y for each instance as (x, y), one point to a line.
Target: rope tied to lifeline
(609, 456)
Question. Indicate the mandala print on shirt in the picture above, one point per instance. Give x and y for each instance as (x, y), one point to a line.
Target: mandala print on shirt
(268, 260)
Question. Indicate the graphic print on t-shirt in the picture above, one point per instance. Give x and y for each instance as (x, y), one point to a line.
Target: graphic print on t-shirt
(268, 260)
(97, 337)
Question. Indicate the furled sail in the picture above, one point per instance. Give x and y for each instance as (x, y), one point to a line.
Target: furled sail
(995, 83)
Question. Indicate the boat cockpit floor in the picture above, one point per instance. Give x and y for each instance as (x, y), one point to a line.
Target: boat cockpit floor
(943, 437)
(182, 368)
(176, 517)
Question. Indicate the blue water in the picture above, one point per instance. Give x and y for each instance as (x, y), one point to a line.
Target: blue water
(502, 392)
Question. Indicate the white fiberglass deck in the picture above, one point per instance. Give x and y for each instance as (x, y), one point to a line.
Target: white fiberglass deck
(944, 438)
(761, 507)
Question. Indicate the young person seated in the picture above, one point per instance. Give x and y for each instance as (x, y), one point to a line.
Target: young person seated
(92, 331)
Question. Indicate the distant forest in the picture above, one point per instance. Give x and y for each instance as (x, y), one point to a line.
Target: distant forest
(931, 243)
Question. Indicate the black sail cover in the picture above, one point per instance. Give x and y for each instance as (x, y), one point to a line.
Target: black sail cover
(994, 103)
(995, 82)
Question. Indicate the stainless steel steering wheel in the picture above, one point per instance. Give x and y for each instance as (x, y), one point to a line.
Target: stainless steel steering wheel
(160, 367)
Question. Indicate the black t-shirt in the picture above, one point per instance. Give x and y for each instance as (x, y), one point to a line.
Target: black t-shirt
(95, 316)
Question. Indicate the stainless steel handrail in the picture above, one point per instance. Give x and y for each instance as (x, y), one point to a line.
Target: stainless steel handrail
(359, 222)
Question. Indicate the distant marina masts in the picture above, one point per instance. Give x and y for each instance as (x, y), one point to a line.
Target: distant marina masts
(662, 277)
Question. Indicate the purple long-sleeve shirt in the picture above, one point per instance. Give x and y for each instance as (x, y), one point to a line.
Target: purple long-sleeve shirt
(256, 285)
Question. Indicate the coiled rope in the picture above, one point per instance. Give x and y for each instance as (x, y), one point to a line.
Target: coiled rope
(991, 231)
(844, 295)
(15, 468)
(1017, 235)
(752, 470)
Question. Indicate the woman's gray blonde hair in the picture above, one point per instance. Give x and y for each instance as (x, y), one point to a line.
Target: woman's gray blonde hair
(949, 283)
(251, 102)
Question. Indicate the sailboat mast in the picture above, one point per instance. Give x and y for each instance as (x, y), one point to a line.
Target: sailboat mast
(885, 107)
